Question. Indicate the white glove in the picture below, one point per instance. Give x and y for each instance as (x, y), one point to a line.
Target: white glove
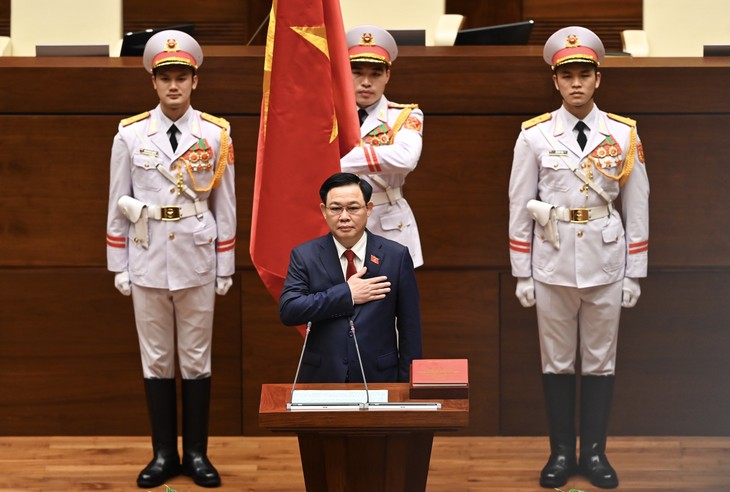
(631, 292)
(525, 291)
(222, 284)
(122, 283)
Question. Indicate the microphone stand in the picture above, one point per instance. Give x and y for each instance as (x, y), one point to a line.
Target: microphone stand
(388, 405)
(299, 365)
(351, 406)
(362, 369)
(320, 405)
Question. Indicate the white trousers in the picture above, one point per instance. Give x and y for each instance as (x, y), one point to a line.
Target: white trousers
(567, 316)
(165, 317)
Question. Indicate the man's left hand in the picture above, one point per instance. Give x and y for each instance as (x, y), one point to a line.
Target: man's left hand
(631, 292)
(222, 284)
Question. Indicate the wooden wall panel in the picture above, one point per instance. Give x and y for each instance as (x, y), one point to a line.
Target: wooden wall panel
(681, 234)
(460, 314)
(216, 21)
(472, 170)
(5, 18)
(69, 356)
(270, 349)
(672, 369)
(498, 81)
(480, 13)
(607, 20)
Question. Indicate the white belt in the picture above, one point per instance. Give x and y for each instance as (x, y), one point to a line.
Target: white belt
(177, 212)
(582, 215)
(391, 195)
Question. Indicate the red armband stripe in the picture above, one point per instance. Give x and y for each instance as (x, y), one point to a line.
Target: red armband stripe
(639, 247)
(374, 157)
(365, 149)
(116, 241)
(228, 245)
(519, 246)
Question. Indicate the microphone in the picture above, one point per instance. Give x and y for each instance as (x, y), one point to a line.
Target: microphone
(359, 360)
(299, 366)
(407, 405)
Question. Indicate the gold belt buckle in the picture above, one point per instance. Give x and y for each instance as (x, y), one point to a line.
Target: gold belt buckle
(170, 213)
(579, 215)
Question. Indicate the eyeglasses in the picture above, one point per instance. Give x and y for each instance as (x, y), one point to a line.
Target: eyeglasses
(336, 210)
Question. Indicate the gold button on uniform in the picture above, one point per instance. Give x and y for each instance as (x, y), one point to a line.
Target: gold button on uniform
(172, 190)
(580, 233)
(172, 236)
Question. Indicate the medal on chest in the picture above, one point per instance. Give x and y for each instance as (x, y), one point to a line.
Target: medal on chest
(607, 158)
(380, 135)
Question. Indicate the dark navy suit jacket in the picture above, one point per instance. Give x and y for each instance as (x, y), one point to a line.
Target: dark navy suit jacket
(388, 330)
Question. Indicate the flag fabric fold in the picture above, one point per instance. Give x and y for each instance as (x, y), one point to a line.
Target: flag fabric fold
(308, 121)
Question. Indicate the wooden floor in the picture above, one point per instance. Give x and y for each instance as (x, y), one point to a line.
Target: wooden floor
(271, 464)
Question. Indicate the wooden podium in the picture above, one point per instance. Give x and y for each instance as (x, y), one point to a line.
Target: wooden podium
(362, 450)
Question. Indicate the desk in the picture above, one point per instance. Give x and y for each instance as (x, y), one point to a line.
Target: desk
(362, 450)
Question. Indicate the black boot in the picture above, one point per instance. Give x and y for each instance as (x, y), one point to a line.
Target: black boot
(560, 402)
(595, 405)
(162, 407)
(196, 402)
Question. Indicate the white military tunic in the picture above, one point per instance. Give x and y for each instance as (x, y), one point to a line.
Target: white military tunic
(181, 255)
(390, 148)
(596, 254)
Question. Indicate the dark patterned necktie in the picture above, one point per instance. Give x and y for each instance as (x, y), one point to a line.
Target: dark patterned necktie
(173, 139)
(582, 139)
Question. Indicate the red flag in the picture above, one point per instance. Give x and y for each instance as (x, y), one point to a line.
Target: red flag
(308, 121)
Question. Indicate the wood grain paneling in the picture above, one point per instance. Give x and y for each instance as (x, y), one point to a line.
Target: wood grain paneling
(587, 9)
(480, 13)
(607, 20)
(69, 356)
(216, 21)
(273, 464)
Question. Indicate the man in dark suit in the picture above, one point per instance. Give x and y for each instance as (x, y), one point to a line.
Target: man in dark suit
(353, 275)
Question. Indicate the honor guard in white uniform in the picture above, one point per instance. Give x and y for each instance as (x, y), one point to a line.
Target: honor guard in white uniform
(171, 234)
(391, 138)
(576, 257)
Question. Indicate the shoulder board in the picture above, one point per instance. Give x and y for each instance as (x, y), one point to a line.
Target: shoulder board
(135, 118)
(622, 119)
(402, 106)
(536, 120)
(215, 120)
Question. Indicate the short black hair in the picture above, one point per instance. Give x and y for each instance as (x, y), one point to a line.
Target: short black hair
(345, 179)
